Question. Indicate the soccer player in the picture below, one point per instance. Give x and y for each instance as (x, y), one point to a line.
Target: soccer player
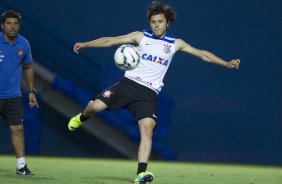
(15, 55)
(138, 90)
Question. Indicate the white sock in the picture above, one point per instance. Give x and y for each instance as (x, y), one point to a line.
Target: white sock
(20, 162)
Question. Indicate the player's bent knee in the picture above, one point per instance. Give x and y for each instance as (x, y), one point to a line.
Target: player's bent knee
(17, 129)
(146, 126)
(147, 123)
(97, 105)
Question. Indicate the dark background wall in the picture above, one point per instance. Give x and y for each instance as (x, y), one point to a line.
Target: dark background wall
(218, 114)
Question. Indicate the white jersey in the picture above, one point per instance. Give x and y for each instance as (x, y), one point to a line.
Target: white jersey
(155, 57)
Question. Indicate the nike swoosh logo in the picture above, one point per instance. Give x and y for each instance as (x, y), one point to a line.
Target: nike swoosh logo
(23, 173)
(155, 116)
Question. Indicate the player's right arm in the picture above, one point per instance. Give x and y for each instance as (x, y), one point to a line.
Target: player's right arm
(205, 55)
(131, 38)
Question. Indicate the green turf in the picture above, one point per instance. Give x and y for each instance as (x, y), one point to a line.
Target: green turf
(95, 171)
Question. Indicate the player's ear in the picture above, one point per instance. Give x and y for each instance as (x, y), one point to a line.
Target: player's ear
(167, 24)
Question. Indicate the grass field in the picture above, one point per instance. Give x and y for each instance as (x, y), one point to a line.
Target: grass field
(94, 171)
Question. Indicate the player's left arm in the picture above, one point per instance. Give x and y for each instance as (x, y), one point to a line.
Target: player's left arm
(205, 55)
(29, 75)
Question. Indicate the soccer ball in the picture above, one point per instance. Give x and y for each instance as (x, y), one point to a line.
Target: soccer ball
(126, 57)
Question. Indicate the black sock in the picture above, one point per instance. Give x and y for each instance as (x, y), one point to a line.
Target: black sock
(142, 167)
(83, 118)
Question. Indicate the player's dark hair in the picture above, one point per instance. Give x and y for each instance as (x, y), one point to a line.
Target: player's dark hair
(157, 7)
(10, 14)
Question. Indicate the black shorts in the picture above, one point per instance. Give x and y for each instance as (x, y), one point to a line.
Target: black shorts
(141, 101)
(11, 111)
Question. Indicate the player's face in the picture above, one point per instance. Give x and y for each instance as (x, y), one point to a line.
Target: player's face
(158, 25)
(11, 28)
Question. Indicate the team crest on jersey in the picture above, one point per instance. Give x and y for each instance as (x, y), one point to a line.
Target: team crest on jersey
(20, 53)
(107, 94)
(167, 48)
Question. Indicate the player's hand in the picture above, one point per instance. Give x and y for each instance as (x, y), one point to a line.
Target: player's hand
(77, 47)
(233, 64)
(32, 100)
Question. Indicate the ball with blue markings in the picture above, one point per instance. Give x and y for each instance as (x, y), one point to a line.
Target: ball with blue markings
(127, 57)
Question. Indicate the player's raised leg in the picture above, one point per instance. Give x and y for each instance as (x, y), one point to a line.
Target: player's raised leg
(92, 108)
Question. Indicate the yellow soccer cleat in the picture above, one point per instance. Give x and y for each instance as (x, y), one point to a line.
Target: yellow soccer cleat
(75, 122)
(144, 178)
